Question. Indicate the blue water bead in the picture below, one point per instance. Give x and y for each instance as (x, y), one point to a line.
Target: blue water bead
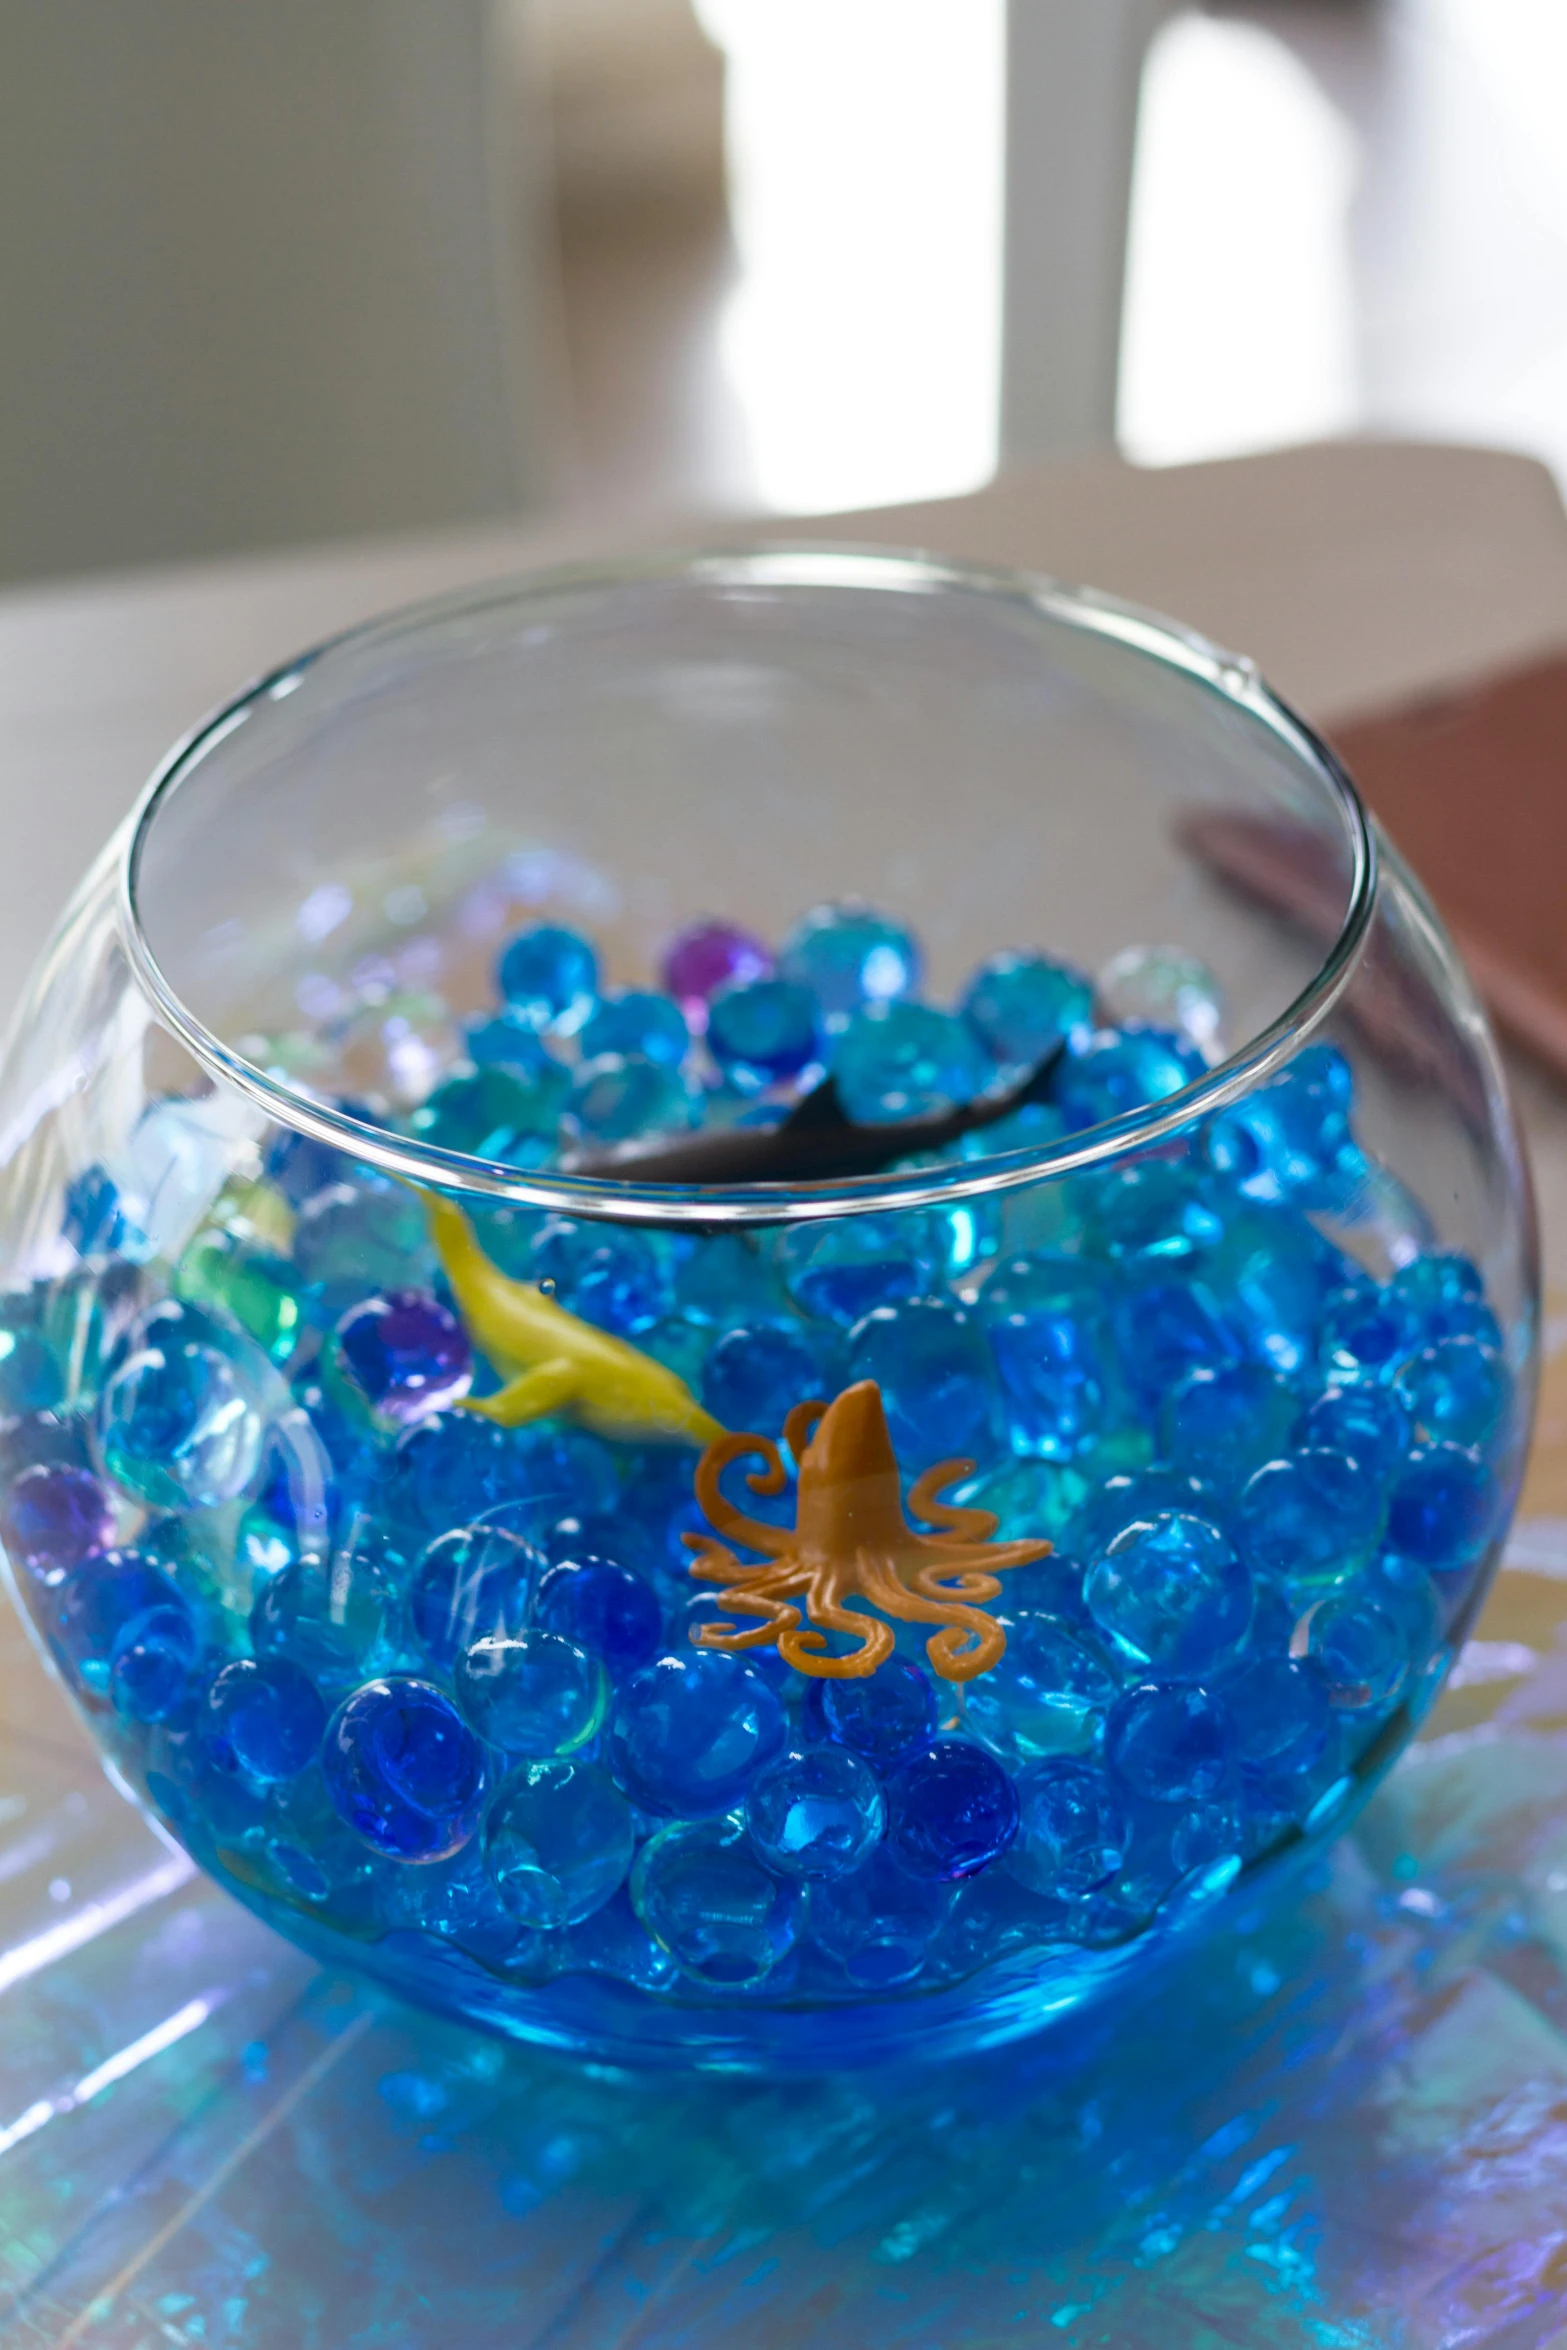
(1448, 1296)
(1048, 1693)
(815, 1815)
(336, 1621)
(936, 1376)
(883, 1717)
(1172, 1595)
(495, 1113)
(848, 955)
(1279, 1707)
(1368, 1422)
(558, 1840)
(1290, 1139)
(1365, 1334)
(616, 1279)
(559, 1469)
(1109, 1072)
(725, 1277)
(455, 1466)
(637, 1021)
(178, 1424)
(504, 1040)
(622, 1535)
(1122, 1500)
(1361, 1651)
(1309, 1521)
(263, 1718)
(755, 1375)
(902, 1060)
(30, 1378)
(150, 1664)
(53, 1515)
(687, 1733)
(401, 1356)
(701, 1891)
(1442, 1510)
(1267, 1277)
(1170, 1743)
(951, 1810)
(1152, 1211)
(1164, 1330)
(1048, 1322)
(1073, 1831)
(762, 1031)
(621, 1095)
(1019, 1006)
(404, 1770)
(1222, 1423)
(608, 1609)
(549, 977)
(843, 1268)
(531, 1691)
(94, 1220)
(878, 1923)
(356, 1237)
(470, 1582)
(94, 1601)
(1456, 1391)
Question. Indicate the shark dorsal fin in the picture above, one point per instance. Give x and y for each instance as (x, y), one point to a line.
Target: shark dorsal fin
(818, 1112)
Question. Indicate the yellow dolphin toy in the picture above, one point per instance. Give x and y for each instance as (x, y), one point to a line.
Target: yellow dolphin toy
(552, 1361)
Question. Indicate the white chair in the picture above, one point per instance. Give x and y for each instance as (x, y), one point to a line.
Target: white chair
(267, 274)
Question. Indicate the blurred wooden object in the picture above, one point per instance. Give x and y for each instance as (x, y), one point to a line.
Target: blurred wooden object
(636, 98)
(1073, 77)
(267, 276)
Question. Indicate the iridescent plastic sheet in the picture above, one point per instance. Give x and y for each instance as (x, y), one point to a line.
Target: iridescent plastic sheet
(1341, 2122)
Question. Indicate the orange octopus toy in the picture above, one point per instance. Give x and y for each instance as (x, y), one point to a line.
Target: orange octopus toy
(851, 1540)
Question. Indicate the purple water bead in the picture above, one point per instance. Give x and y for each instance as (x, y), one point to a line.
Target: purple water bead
(406, 1355)
(53, 1516)
(951, 1811)
(707, 956)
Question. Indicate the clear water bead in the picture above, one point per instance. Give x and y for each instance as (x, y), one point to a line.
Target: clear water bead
(1172, 1595)
(878, 1923)
(905, 1060)
(1455, 1391)
(1163, 987)
(883, 1716)
(1073, 1830)
(469, 1584)
(688, 1732)
(1309, 1521)
(549, 977)
(701, 1891)
(1048, 1321)
(815, 1815)
(1224, 1423)
(1019, 1006)
(1047, 1695)
(558, 1841)
(151, 1662)
(531, 1692)
(848, 955)
(1361, 1651)
(177, 1421)
(1367, 1422)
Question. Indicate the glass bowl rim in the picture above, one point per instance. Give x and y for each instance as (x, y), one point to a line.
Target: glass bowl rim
(803, 565)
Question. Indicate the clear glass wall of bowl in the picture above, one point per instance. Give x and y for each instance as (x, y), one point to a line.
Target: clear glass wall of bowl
(1163, 1431)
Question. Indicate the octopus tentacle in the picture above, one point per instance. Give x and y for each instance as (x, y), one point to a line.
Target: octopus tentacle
(975, 1525)
(801, 1424)
(721, 1513)
(803, 1649)
(778, 1617)
(967, 1641)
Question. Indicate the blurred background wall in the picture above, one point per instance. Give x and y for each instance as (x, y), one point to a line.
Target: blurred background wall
(313, 268)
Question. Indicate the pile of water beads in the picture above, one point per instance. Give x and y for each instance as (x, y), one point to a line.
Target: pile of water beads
(430, 1679)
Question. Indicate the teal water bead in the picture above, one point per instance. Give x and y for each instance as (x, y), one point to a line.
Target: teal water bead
(848, 955)
(1048, 1322)
(702, 1892)
(1268, 1275)
(1222, 1423)
(1172, 1595)
(495, 1113)
(763, 1031)
(1455, 1391)
(688, 1732)
(336, 1620)
(504, 1040)
(1368, 1422)
(879, 1923)
(1361, 1650)
(531, 1692)
(904, 1060)
(841, 1269)
(1448, 1295)
(637, 1020)
(549, 977)
(1073, 1829)
(355, 1237)
(1170, 1743)
(1153, 1211)
(1163, 987)
(936, 1377)
(239, 1277)
(1309, 1521)
(1020, 1006)
(1110, 1072)
(178, 1423)
(618, 1096)
(30, 1378)
(1049, 1692)
(558, 1840)
(815, 1815)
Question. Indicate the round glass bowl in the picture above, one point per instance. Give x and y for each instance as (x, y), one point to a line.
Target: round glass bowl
(755, 1310)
